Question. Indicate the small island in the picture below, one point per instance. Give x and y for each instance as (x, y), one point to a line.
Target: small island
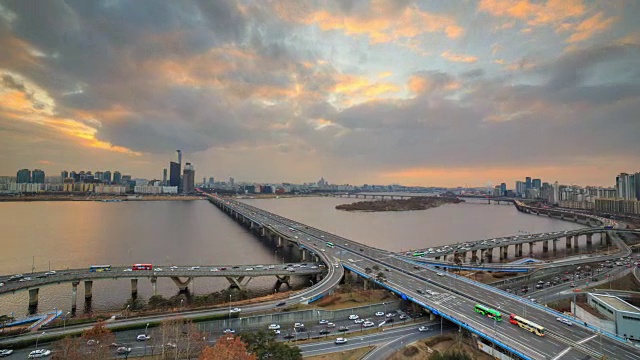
(415, 203)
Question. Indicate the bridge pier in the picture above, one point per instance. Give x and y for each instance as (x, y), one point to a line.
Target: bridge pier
(88, 290)
(182, 285)
(576, 238)
(154, 285)
(134, 288)
(304, 254)
(282, 280)
(589, 240)
(555, 245)
(545, 247)
(568, 242)
(505, 252)
(519, 250)
(279, 241)
(263, 232)
(33, 298)
(74, 296)
(238, 282)
(531, 249)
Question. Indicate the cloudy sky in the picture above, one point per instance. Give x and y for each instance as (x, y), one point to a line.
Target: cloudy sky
(418, 93)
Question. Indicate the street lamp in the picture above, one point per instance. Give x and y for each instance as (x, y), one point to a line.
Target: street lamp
(38, 338)
(126, 314)
(181, 302)
(64, 320)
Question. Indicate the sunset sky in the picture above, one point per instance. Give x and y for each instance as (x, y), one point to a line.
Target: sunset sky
(440, 93)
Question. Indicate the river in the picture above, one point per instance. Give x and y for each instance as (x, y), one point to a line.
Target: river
(64, 235)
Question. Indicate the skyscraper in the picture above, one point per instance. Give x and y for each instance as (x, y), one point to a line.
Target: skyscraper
(106, 176)
(528, 182)
(64, 174)
(232, 182)
(626, 185)
(37, 176)
(24, 176)
(174, 174)
(117, 177)
(503, 189)
(520, 188)
(188, 178)
(179, 170)
(164, 177)
(536, 183)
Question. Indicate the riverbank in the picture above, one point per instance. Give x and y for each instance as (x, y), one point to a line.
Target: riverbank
(93, 197)
(415, 203)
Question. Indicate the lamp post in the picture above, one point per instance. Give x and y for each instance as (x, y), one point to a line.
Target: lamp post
(229, 310)
(126, 314)
(38, 338)
(64, 320)
(181, 303)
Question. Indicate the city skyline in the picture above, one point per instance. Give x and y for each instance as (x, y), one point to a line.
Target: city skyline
(380, 92)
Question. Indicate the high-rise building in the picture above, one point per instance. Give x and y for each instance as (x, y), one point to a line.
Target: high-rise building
(23, 176)
(528, 182)
(232, 182)
(37, 176)
(99, 175)
(536, 183)
(626, 185)
(106, 176)
(520, 188)
(64, 174)
(174, 174)
(179, 170)
(117, 177)
(503, 189)
(164, 177)
(188, 178)
(211, 182)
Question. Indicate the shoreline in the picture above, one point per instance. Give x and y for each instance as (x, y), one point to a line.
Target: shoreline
(416, 203)
(105, 198)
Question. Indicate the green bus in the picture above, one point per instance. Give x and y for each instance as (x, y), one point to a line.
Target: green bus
(418, 253)
(488, 312)
(330, 244)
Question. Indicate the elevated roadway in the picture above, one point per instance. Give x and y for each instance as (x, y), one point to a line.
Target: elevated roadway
(455, 297)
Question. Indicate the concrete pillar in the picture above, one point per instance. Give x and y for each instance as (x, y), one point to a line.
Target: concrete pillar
(182, 285)
(366, 284)
(88, 289)
(134, 288)
(575, 241)
(568, 242)
(608, 238)
(279, 241)
(154, 285)
(531, 249)
(464, 257)
(555, 245)
(601, 239)
(304, 254)
(505, 252)
(545, 247)
(33, 297)
(74, 296)
(431, 317)
(444, 257)
(519, 248)
(589, 240)
(501, 253)
(263, 232)
(490, 255)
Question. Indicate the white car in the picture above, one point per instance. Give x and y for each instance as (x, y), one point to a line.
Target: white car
(390, 315)
(353, 317)
(341, 341)
(127, 270)
(228, 331)
(5, 352)
(123, 350)
(235, 310)
(368, 324)
(159, 269)
(423, 329)
(52, 272)
(143, 337)
(331, 325)
(298, 325)
(248, 269)
(173, 268)
(274, 327)
(564, 321)
(440, 274)
(358, 321)
(323, 322)
(215, 269)
(379, 313)
(39, 353)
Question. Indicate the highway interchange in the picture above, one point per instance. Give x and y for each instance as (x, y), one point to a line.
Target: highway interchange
(456, 296)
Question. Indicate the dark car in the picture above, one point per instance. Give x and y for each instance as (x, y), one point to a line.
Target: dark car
(288, 336)
(419, 291)
(324, 332)
(281, 303)
(343, 328)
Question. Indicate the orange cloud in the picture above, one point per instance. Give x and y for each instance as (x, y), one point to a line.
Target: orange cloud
(379, 25)
(591, 26)
(459, 57)
(22, 100)
(534, 13)
(420, 84)
(360, 89)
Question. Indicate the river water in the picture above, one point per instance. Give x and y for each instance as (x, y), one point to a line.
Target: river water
(64, 235)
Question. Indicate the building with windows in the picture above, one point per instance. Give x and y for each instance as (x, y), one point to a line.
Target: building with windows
(117, 177)
(528, 182)
(174, 174)
(625, 317)
(188, 178)
(627, 187)
(536, 183)
(23, 176)
(37, 176)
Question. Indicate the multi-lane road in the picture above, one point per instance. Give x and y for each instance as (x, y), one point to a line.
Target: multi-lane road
(455, 297)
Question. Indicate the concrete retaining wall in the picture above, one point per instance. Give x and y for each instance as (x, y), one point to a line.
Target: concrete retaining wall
(590, 319)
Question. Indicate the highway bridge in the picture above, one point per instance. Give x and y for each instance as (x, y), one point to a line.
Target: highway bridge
(237, 275)
(452, 297)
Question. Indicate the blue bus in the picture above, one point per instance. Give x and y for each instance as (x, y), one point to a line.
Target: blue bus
(99, 268)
